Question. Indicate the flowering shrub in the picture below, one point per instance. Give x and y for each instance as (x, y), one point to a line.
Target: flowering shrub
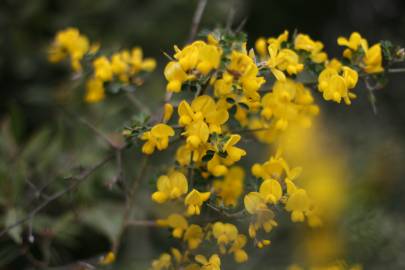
(220, 92)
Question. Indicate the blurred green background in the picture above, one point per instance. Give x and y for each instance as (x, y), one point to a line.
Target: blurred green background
(42, 141)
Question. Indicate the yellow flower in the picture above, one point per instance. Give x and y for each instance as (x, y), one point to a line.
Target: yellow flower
(290, 62)
(298, 203)
(109, 258)
(209, 58)
(280, 39)
(223, 86)
(243, 71)
(170, 187)
(250, 82)
(102, 69)
(225, 233)
(288, 102)
(304, 42)
(177, 222)
(69, 43)
(214, 262)
(350, 76)
(168, 112)
(261, 46)
(255, 205)
(283, 60)
(239, 254)
(216, 167)
(373, 59)
(271, 190)
(157, 137)
(163, 263)
(194, 236)
(119, 65)
(274, 168)
(138, 63)
(274, 60)
(194, 201)
(175, 75)
(202, 109)
(335, 86)
(198, 56)
(352, 44)
(234, 153)
(334, 64)
(197, 134)
(94, 91)
(230, 189)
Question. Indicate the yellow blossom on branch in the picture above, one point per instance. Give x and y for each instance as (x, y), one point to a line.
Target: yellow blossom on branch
(157, 137)
(194, 200)
(170, 187)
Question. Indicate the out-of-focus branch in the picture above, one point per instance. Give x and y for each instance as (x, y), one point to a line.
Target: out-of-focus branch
(137, 103)
(78, 180)
(236, 215)
(142, 223)
(396, 70)
(199, 11)
(130, 198)
(93, 128)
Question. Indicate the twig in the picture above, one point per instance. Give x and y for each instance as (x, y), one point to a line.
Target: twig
(197, 19)
(37, 191)
(138, 103)
(79, 179)
(129, 203)
(241, 25)
(93, 128)
(238, 214)
(230, 18)
(146, 223)
(396, 70)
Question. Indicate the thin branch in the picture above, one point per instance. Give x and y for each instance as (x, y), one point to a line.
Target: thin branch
(93, 128)
(129, 204)
(97, 131)
(37, 191)
(141, 223)
(137, 103)
(238, 214)
(396, 70)
(199, 11)
(229, 20)
(241, 25)
(79, 179)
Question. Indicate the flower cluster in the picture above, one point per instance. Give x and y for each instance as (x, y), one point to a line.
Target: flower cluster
(220, 95)
(235, 92)
(123, 67)
(69, 43)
